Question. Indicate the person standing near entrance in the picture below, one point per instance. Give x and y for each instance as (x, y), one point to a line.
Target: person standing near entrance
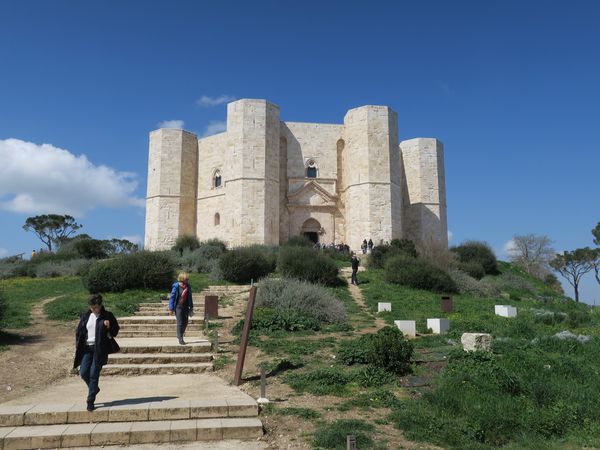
(354, 261)
(363, 246)
(370, 244)
(181, 304)
(96, 327)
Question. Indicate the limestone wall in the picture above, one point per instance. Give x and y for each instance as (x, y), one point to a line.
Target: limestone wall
(213, 201)
(171, 192)
(425, 199)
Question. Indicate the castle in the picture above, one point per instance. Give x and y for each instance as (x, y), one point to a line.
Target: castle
(263, 181)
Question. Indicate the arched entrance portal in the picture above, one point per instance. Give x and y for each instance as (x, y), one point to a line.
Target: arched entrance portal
(311, 228)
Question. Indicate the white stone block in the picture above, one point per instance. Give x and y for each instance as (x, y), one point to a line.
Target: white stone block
(408, 327)
(476, 341)
(438, 326)
(505, 310)
(384, 307)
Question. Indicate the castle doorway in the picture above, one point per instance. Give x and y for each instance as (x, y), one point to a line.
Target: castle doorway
(314, 237)
(311, 228)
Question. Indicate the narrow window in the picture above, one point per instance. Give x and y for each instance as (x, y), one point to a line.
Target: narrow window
(311, 172)
(217, 179)
(217, 219)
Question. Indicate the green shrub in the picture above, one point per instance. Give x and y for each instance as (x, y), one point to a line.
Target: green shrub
(305, 298)
(477, 252)
(418, 274)
(355, 351)
(243, 264)
(2, 305)
(73, 267)
(269, 320)
(389, 349)
(186, 242)
(322, 381)
(11, 267)
(204, 259)
(333, 435)
(300, 241)
(398, 247)
(468, 285)
(307, 264)
(146, 270)
(337, 255)
(373, 376)
(473, 268)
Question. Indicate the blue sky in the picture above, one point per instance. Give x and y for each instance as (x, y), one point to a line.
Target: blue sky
(511, 88)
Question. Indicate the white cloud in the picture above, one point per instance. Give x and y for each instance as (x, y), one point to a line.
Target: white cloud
(509, 247)
(43, 179)
(450, 235)
(171, 124)
(214, 127)
(3, 252)
(207, 101)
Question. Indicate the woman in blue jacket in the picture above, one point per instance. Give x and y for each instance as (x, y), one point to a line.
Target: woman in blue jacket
(181, 304)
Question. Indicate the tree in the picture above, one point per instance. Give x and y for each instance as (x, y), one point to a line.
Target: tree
(533, 253)
(596, 233)
(121, 246)
(573, 265)
(52, 228)
(596, 261)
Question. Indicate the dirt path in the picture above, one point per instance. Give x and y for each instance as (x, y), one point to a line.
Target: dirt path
(37, 356)
(360, 301)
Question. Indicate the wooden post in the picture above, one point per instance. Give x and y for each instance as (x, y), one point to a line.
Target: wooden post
(211, 306)
(239, 367)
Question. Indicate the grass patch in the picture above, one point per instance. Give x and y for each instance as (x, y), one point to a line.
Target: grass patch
(376, 398)
(304, 413)
(294, 347)
(221, 361)
(333, 435)
(22, 293)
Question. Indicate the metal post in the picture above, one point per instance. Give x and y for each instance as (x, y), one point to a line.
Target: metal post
(216, 342)
(263, 385)
(351, 442)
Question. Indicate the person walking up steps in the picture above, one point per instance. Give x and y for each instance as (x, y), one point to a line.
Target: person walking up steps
(97, 327)
(180, 303)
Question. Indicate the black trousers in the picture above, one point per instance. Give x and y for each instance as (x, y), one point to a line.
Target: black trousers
(354, 279)
(181, 313)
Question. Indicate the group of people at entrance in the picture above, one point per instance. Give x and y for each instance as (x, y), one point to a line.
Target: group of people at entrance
(97, 328)
(366, 246)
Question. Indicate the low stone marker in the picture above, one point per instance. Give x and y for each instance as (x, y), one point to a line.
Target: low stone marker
(438, 326)
(384, 307)
(505, 310)
(476, 341)
(408, 327)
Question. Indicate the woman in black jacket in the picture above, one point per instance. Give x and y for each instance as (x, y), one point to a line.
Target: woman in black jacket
(92, 344)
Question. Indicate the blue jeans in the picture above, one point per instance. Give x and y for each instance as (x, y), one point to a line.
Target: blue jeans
(181, 313)
(89, 370)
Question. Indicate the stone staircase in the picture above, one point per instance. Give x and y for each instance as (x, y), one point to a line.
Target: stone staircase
(70, 425)
(184, 406)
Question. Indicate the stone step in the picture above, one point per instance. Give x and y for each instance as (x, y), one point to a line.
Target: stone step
(163, 345)
(168, 325)
(158, 358)
(154, 320)
(129, 433)
(149, 333)
(121, 411)
(156, 369)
